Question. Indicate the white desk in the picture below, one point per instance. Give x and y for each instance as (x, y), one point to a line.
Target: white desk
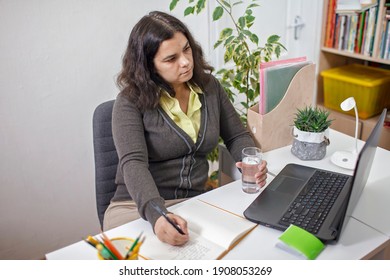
(360, 239)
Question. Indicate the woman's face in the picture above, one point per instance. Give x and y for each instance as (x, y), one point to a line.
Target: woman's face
(173, 60)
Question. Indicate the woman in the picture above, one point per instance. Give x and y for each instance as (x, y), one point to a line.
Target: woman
(166, 119)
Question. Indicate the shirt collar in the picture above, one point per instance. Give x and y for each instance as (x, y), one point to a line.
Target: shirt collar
(192, 87)
(170, 102)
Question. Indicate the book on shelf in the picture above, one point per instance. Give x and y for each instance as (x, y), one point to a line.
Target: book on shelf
(346, 32)
(384, 32)
(352, 33)
(348, 5)
(213, 233)
(353, 6)
(359, 36)
(351, 26)
(369, 40)
(330, 23)
(386, 42)
(364, 32)
(341, 38)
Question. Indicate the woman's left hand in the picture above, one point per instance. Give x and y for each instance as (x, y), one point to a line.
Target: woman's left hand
(261, 176)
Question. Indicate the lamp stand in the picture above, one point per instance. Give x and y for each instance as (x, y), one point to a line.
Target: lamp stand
(344, 159)
(348, 159)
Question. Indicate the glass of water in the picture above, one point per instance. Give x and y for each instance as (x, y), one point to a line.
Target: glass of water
(251, 159)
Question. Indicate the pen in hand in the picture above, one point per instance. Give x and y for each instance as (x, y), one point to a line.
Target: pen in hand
(159, 210)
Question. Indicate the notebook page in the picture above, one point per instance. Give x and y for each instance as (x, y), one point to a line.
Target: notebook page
(197, 248)
(212, 223)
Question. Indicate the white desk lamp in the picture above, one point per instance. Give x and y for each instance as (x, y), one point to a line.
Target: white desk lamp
(347, 159)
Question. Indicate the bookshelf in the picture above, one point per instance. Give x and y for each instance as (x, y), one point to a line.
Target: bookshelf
(336, 51)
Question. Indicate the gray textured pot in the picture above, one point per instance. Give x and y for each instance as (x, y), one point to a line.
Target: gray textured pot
(309, 145)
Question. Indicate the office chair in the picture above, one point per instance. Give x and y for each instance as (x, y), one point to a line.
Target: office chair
(106, 157)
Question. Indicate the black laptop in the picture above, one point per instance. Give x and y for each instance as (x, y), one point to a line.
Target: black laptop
(316, 200)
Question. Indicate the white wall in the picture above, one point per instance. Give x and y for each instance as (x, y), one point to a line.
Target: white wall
(58, 61)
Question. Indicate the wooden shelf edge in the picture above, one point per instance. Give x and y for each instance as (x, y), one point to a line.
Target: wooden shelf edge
(354, 55)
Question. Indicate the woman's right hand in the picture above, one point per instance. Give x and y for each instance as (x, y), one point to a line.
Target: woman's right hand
(168, 234)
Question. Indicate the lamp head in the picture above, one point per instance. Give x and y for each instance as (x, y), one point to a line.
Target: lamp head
(348, 104)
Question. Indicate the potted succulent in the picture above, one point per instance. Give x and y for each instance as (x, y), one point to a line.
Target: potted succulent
(311, 133)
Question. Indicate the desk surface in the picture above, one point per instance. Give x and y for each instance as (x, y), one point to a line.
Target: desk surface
(363, 236)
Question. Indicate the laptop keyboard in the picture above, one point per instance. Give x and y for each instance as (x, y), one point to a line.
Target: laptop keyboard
(313, 204)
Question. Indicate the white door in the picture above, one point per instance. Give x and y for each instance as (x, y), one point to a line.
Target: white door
(303, 28)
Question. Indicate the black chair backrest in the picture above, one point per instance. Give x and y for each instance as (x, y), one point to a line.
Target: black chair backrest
(106, 157)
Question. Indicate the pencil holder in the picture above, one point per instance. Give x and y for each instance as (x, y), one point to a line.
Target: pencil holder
(122, 244)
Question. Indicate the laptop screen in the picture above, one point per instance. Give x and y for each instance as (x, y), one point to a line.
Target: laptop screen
(362, 168)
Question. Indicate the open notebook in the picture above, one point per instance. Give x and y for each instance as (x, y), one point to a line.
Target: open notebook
(213, 233)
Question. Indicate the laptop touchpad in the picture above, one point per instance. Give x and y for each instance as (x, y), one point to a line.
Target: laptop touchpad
(287, 185)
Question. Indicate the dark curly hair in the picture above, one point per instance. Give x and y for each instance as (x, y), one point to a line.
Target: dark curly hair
(138, 78)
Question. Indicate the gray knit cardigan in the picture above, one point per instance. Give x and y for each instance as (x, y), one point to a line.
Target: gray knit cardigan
(158, 160)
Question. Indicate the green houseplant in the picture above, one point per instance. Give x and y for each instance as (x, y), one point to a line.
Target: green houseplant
(241, 46)
(311, 133)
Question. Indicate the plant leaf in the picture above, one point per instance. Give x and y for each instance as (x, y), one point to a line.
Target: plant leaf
(228, 54)
(217, 14)
(229, 40)
(200, 5)
(173, 4)
(225, 33)
(226, 4)
(241, 22)
(237, 3)
(250, 20)
(218, 43)
(189, 10)
(245, 105)
(254, 39)
(253, 5)
(280, 45)
(247, 32)
(273, 39)
(277, 51)
(312, 119)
